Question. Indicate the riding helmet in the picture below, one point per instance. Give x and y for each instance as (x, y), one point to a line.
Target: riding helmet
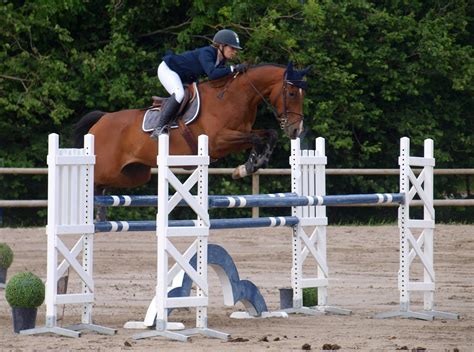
(227, 37)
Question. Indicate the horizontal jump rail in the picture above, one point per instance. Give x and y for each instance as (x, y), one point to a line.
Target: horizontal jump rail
(262, 200)
(144, 201)
(216, 224)
(414, 203)
(252, 201)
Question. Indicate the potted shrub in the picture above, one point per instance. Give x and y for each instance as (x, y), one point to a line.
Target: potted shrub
(24, 293)
(310, 297)
(6, 258)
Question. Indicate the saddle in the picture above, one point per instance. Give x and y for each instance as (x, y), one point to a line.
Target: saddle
(187, 113)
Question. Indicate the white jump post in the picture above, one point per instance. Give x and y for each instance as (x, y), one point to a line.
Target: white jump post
(410, 247)
(166, 249)
(308, 178)
(70, 214)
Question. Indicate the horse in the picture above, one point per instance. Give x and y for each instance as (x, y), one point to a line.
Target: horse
(125, 153)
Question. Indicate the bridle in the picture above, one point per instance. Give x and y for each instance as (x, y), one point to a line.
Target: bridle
(281, 117)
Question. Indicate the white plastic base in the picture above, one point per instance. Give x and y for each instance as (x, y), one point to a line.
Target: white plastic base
(183, 335)
(140, 325)
(246, 315)
(423, 315)
(70, 331)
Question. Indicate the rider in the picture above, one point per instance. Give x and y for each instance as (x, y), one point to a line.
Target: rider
(176, 69)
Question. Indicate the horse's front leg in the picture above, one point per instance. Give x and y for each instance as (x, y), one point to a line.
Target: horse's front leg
(263, 142)
(270, 138)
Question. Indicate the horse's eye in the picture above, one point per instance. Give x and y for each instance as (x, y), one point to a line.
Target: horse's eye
(292, 95)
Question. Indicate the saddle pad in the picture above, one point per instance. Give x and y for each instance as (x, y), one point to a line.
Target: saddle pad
(150, 120)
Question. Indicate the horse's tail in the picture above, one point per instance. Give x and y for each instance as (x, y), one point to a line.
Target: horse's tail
(84, 125)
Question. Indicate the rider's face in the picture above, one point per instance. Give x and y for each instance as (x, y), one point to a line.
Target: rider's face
(229, 52)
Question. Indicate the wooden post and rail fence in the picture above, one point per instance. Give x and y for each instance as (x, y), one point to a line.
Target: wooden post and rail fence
(39, 203)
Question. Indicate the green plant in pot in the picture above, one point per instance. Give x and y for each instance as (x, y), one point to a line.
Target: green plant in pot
(310, 296)
(25, 293)
(6, 259)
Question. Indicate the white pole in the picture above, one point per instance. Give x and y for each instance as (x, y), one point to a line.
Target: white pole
(161, 233)
(321, 213)
(403, 217)
(202, 192)
(297, 265)
(428, 232)
(88, 239)
(53, 211)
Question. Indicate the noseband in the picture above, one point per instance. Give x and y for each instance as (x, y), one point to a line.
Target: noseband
(281, 117)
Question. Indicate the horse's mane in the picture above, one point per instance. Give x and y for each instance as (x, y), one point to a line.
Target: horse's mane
(266, 64)
(217, 83)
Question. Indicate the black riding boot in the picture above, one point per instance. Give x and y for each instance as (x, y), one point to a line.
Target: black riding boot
(168, 112)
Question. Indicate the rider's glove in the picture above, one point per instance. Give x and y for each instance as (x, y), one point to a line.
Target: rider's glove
(241, 68)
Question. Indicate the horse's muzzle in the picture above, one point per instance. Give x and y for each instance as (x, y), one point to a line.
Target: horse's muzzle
(294, 130)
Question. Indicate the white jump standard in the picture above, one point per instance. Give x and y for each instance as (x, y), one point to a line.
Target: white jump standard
(423, 246)
(166, 249)
(70, 213)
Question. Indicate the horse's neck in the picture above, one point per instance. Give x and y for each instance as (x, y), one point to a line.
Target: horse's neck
(247, 90)
(262, 80)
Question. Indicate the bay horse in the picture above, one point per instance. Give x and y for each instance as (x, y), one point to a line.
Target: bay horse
(125, 154)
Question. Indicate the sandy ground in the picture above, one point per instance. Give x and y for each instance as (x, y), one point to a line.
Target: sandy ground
(363, 263)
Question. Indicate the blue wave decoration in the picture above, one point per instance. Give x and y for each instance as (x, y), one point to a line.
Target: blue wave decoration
(234, 289)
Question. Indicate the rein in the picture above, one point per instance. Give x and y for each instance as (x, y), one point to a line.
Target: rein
(220, 96)
(282, 117)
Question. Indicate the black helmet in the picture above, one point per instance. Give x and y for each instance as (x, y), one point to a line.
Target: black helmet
(227, 37)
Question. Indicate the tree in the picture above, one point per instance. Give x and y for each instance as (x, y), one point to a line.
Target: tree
(381, 70)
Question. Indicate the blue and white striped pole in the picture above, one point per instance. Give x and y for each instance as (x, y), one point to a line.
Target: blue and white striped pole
(145, 201)
(255, 201)
(216, 224)
(261, 200)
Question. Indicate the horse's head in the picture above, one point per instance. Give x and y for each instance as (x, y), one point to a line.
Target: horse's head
(289, 102)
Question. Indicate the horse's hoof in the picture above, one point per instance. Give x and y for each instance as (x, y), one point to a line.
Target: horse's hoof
(239, 172)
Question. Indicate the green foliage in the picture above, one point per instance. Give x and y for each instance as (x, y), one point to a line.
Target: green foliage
(310, 296)
(381, 70)
(6, 256)
(25, 290)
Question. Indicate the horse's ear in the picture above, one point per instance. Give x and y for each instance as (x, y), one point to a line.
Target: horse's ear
(306, 70)
(290, 66)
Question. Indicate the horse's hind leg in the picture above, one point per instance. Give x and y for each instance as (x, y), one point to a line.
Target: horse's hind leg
(101, 214)
(134, 175)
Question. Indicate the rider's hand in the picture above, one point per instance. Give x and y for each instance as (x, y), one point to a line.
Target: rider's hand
(241, 68)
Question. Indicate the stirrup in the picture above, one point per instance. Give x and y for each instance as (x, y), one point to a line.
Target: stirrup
(160, 130)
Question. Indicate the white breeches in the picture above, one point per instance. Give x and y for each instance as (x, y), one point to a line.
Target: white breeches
(171, 81)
